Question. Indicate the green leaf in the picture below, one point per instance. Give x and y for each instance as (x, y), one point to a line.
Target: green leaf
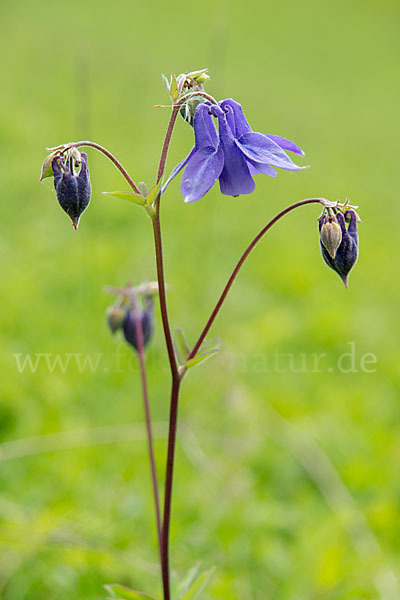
(198, 585)
(129, 196)
(204, 352)
(121, 592)
(200, 358)
(189, 580)
(166, 82)
(181, 347)
(153, 193)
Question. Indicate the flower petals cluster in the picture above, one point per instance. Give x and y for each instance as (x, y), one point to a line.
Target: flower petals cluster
(233, 154)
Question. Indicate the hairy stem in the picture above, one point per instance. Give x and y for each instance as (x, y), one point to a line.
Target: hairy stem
(197, 93)
(170, 128)
(176, 379)
(239, 265)
(173, 420)
(110, 156)
(173, 406)
(167, 140)
(162, 295)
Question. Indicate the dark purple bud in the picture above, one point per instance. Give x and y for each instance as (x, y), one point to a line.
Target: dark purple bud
(146, 319)
(345, 255)
(72, 188)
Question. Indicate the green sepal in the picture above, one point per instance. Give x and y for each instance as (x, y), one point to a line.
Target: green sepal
(47, 168)
(129, 196)
(166, 82)
(173, 89)
(204, 352)
(121, 592)
(197, 585)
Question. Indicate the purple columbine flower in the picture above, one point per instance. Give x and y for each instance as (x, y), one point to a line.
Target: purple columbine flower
(233, 154)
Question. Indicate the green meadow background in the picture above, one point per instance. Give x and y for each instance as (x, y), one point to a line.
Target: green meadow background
(287, 475)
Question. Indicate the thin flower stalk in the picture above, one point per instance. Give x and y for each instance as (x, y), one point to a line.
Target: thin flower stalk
(146, 402)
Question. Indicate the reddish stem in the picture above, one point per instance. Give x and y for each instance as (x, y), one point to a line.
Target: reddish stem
(239, 265)
(166, 144)
(142, 363)
(110, 156)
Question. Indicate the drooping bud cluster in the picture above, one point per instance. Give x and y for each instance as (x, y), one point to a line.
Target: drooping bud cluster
(72, 183)
(129, 311)
(187, 85)
(185, 82)
(339, 245)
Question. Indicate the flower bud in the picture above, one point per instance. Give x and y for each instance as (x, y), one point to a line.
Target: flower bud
(146, 320)
(346, 253)
(72, 188)
(188, 110)
(200, 76)
(331, 234)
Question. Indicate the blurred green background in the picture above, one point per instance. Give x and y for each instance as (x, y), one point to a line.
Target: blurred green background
(287, 476)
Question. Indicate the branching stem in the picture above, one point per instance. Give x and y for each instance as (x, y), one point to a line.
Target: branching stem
(176, 374)
(239, 265)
